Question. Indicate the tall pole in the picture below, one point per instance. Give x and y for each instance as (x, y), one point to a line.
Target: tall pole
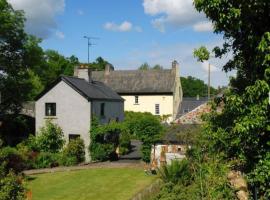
(89, 43)
(208, 81)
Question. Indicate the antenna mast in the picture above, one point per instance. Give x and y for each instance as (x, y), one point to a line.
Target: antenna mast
(89, 44)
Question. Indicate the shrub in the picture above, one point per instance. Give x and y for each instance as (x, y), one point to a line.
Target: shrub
(124, 142)
(12, 159)
(50, 138)
(67, 160)
(176, 172)
(105, 140)
(46, 159)
(11, 187)
(75, 149)
(145, 127)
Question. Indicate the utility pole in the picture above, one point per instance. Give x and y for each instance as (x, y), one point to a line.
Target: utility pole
(209, 82)
(89, 44)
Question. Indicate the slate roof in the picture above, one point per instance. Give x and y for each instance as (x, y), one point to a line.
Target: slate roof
(94, 90)
(138, 81)
(190, 103)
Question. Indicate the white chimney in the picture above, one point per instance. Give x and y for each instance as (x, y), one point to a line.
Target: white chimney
(84, 73)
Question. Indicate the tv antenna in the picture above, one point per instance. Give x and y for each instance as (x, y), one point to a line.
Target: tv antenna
(89, 44)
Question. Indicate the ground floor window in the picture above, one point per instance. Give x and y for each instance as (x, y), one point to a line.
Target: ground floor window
(157, 111)
(73, 137)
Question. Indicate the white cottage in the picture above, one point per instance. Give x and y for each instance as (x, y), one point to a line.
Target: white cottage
(71, 102)
(156, 91)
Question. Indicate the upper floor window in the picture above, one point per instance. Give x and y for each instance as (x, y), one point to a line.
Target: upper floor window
(157, 111)
(50, 109)
(102, 109)
(136, 99)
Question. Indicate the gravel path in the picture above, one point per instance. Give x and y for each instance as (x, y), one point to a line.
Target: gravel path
(116, 164)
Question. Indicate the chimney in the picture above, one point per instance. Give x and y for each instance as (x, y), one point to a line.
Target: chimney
(108, 69)
(175, 68)
(83, 72)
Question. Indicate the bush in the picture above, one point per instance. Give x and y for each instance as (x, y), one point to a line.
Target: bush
(12, 159)
(105, 140)
(145, 127)
(124, 142)
(50, 138)
(178, 172)
(46, 159)
(65, 160)
(75, 149)
(11, 187)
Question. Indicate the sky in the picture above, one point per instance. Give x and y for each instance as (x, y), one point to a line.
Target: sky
(129, 32)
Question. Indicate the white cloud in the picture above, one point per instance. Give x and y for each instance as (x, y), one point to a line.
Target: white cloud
(40, 15)
(204, 26)
(123, 27)
(60, 34)
(213, 68)
(173, 13)
(80, 12)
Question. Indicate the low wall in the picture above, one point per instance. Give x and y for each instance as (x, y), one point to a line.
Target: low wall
(149, 191)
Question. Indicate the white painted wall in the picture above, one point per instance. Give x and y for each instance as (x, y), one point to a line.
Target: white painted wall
(113, 110)
(72, 112)
(147, 104)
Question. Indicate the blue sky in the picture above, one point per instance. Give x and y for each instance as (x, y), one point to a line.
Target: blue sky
(131, 32)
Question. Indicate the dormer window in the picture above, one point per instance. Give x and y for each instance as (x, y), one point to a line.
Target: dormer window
(50, 109)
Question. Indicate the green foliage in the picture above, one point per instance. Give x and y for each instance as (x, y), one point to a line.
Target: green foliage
(50, 138)
(192, 87)
(145, 127)
(146, 66)
(46, 159)
(202, 54)
(177, 172)
(241, 131)
(11, 187)
(75, 148)
(104, 140)
(99, 64)
(12, 160)
(124, 142)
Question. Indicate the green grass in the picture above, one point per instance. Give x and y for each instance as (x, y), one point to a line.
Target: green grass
(90, 184)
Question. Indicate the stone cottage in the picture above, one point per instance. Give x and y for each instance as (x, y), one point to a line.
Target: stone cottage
(156, 91)
(71, 102)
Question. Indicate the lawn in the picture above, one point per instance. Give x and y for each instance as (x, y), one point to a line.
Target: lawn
(89, 184)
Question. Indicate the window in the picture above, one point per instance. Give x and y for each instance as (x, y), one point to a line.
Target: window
(102, 109)
(50, 109)
(136, 99)
(157, 109)
(73, 137)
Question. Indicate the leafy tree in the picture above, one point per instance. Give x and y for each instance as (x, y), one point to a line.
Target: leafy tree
(157, 67)
(14, 86)
(145, 66)
(202, 54)
(242, 131)
(193, 86)
(98, 65)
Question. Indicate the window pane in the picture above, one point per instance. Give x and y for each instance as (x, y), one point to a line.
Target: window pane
(136, 99)
(50, 109)
(157, 109)
(102, 109)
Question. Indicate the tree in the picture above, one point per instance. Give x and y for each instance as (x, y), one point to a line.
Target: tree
(193, 86)
(14, 86)
(242, 131)
(145, 66)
